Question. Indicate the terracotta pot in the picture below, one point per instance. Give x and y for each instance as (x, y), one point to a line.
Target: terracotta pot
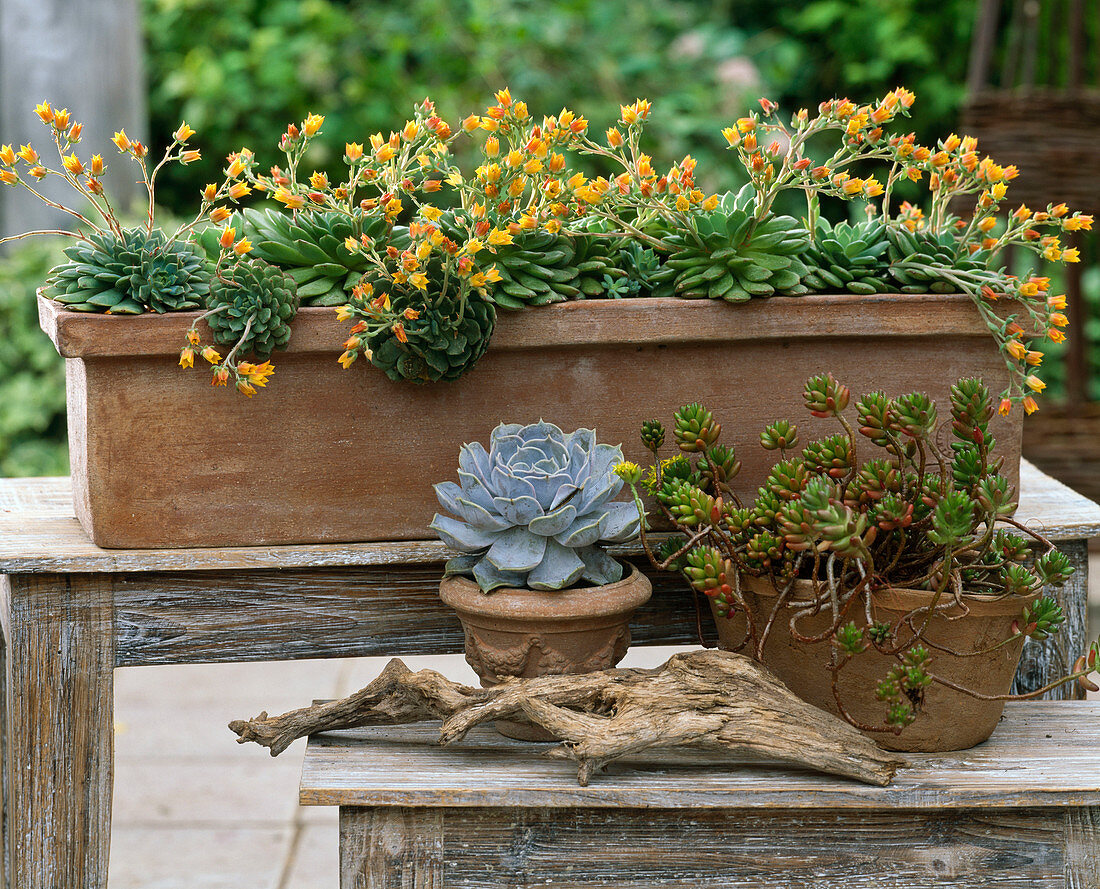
(950, 720)
(522, 632)
(323, 454)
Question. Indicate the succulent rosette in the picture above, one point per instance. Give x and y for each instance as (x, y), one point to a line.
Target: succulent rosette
(535, 509)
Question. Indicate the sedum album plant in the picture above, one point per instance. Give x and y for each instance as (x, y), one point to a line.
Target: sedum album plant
(536, 509)
(909, 516)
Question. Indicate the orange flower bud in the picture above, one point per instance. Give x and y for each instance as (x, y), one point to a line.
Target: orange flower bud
(227, 237)
(93, 185)
(9, 177)
(61, 119)
(74, 133)
(72, 164)
(1004, 407)
(138, 150)
(1030, 405)
(183, 133)
(44, 111)
(189, 157)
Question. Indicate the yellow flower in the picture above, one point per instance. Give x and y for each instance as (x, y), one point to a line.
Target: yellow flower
(353, 151)
(351, 245)
(28, 154)
(121, 140)
(1058, 319)
(492, 275)
(431, 213)
(44, 111)
(1035, 384)
(238, 190)
(209, 192)
(7, 155)
(1004, 407)
(183, 133)
(1030, 405)
(1034, 358)
(1057, 302)
(384, 154)
(1055, 335)
(474, 246)
(193, 337)
(187, 357)
(219, 214)
(631, 473)
(999, 190)
(419, 280)
(1071, 255)
(347, 358)
(227, 237)
(312, 124)
(1016, 349)
(732, 136)
(614, 138)
(290, 201)
(246, 388)
(498, 237)
(235, 168)
(211, 355)
(242, 246)
(682, 203)
(9, 177)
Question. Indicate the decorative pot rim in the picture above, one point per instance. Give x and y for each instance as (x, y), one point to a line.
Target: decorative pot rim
(898, 599)
(511, 603)
(617, 322)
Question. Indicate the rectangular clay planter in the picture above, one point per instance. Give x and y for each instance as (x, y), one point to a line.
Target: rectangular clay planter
(323, 454)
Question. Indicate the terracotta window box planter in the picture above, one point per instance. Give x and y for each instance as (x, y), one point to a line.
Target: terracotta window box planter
(160, 459)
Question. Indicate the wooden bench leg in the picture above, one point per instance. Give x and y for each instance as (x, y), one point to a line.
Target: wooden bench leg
(860, 848)
(58, 729)
(1044, 662)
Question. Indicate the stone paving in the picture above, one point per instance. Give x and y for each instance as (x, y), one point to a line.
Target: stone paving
(194, 810)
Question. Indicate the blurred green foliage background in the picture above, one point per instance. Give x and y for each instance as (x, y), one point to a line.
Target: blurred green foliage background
(239, 72)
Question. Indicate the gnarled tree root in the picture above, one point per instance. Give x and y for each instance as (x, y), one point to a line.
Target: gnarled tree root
(704, 702)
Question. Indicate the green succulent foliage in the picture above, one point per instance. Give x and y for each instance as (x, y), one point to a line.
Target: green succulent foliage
(668, 548)
(695, 428)
(689, 505)
(598, 261)
(128, 275)
(849, 639)
(780, 435)
(1054, 568)
(874, 418)
(830, 456)
(1042, 618)
(309, 246)
(258, 302)
(643, 266)
(952, 520)
(719, 465)
(904, 685)
(735, 257)
(919, 260)
(448, 338)
(848, 257)
(971, 411)
(653, 435)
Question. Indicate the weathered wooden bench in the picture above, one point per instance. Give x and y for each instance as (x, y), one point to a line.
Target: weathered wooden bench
(72, 612)
(1021, 810)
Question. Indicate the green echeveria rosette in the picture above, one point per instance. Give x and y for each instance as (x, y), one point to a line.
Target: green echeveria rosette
(309, 246)
(920, 261)
(535, 509)
(257, 297)
(129, 275)
(735, 256)
(443, 343)
(847, 257)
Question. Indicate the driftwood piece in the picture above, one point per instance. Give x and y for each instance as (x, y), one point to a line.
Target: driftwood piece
(711, 701)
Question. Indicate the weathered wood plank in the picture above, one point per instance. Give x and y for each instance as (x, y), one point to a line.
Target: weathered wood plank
(39, 533)
(392, 849)
(59, 729)
(492, 848)
(209, 617)
(1042, 754)
(1082, 854)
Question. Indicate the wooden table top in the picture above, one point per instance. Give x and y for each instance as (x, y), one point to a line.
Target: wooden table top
(1042, 754)
(40, 534)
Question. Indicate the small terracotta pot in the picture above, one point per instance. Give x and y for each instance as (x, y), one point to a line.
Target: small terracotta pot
(522, 632)
(950, 720)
